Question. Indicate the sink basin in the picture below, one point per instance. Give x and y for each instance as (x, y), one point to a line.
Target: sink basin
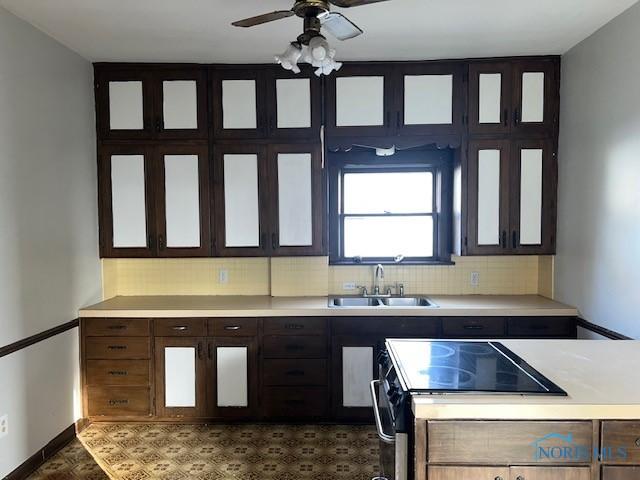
(408, 302)
(354, 302)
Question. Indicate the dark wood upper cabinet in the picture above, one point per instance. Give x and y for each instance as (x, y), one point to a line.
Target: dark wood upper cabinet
(154, 201)
(490, 108)
(432, 98)
(151, 103)
(511, 206)
(361, 101)
(536, 96)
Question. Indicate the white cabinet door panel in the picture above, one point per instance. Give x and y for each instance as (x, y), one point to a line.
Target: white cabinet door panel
(180, 376)
(180, 104)
(531, 196)
(293, 102)
(232, 376)
(359, 101)
(182, 198)
(241, 207)
(488, 197)
(295, 222)
(428, 99)
(357, 374)
(128, 201)
(239, 104)
(125, 105)
(489, 97)
(532, 97)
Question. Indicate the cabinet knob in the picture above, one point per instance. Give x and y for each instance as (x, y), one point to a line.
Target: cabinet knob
(520, 477)
(637, 442)
(498, 478)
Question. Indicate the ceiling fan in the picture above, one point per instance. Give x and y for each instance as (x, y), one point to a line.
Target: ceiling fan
(311, 45)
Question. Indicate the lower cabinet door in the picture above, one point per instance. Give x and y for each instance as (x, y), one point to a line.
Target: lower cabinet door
(550, 473)
(180, 377)
(468, 473)
(355, 369)
(233, 376)
(620, 473)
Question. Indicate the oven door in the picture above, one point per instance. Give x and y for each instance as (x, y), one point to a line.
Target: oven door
(393, 445)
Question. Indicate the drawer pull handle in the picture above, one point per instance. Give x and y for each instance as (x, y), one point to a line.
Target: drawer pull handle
(295, 373)
(180, 328)
(119, 373)
(637, 442)
(118, 402)
(473, 327)
(232, 327)
(117, 327)
(117, 347)
(293, 326)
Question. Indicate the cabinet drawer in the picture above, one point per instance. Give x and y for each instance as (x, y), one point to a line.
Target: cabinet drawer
(117, 372)
(295, 326)
(620, 434)
(620, 473)
(295, 372)
(117, 347)
(468, 473)
(291, 402)
(492, 442)
(233, 327)
(180, 327)
(541, 327)
(119, 401)
(473, 327)
(294, 346)
(116, 327)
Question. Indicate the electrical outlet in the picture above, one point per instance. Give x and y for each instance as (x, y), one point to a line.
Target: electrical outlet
(349, 286)
(4, 425)
(223, 276)
(475, 279)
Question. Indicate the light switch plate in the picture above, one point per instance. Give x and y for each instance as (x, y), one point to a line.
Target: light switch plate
(223, 276)
(4, 425)
(475, 279)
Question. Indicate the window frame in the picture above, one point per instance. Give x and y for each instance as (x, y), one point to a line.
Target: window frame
(437, 162)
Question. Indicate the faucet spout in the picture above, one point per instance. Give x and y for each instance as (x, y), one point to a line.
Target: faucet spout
(378, 278)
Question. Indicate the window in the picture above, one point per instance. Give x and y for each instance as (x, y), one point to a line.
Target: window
(390, 209)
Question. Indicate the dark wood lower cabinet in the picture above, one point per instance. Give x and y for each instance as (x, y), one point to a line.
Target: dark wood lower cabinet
(620, 473)
(291, 368)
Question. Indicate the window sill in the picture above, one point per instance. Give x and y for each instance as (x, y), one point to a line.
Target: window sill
(351, 263)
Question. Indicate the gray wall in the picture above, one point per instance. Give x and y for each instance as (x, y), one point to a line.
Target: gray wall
(48, 230)
(598, 261)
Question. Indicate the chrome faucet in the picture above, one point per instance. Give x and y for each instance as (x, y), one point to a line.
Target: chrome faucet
(378, 278)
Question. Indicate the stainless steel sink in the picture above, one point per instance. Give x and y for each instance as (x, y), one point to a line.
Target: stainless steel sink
(391, 302)
(408, 302)
(354, 302)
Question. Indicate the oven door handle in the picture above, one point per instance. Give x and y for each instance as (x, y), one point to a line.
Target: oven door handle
(376, 414)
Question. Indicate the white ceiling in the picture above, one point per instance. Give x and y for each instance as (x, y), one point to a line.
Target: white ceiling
(200, 30)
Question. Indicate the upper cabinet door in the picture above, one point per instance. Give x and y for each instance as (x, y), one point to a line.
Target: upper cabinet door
(297, 199)
(490, 98)
(488, 197)
(183, 201)
(124, 103)
(241, 201)
(533, 190)
(295, 104)
(181, 107)
(126, 202)
(535, 96)
(239, 103)
(360, 101)
(432, 99)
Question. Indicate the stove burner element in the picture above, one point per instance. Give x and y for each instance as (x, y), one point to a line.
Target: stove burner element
(441, 351)
(448, 377)
(476, 349)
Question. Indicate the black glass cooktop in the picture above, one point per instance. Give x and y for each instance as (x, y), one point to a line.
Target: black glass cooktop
(426, 366)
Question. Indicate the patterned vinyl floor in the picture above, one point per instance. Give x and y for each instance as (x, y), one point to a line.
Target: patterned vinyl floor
(220, 452)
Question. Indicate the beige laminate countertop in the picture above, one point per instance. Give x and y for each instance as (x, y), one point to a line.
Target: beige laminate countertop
(266, 306)
(600, 377)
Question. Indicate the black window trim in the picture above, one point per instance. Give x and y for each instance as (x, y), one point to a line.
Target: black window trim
(439, 162)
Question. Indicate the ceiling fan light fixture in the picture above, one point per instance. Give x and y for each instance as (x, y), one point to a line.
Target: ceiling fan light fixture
(289, 59)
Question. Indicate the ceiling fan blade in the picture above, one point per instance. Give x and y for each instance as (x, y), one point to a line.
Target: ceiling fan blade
(339, 26)
(353, 3)
(260, 19)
